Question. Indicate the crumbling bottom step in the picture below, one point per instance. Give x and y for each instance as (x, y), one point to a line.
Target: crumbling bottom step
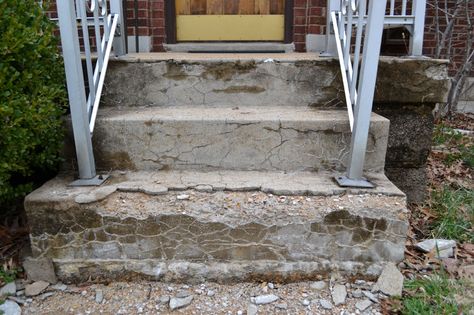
(137, 225)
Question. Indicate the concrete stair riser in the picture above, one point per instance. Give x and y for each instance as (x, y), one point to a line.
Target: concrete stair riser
(262, 80)
(271, 138)
(215, 230)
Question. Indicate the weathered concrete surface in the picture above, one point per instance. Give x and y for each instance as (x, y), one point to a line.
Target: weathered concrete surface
(250, 138)
(409, 144)
(208, 232)
(172, 79)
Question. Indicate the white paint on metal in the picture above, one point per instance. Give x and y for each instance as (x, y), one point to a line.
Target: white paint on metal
(107, 26)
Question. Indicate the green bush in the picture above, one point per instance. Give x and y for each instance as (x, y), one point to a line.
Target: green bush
(32, 98)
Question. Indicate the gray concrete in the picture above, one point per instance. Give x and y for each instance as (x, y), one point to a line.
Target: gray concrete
(176, 79)
(466, 99)
(230, 47)
(231, 228)
(249, 138)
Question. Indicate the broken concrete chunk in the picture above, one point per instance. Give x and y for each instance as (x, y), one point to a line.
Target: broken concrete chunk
(40, 269)
(390, 281)
(318, 285)
(10, 308)
(327, 305)
(339, 294)
(95, 195)
(176, 303)
(129, 186)
(36, 288)
(153, 189)
(264, 299)
(8, 289)
(363, 305)
(443, 248)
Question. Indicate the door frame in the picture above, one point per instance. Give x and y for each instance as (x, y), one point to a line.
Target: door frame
(170, 21)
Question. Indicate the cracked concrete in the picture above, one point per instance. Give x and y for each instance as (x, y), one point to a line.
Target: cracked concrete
(242, 232)
(248, 138)
(262, 80)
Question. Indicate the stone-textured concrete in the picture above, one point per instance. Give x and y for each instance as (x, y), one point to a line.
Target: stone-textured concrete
(409, 144)
(223, 229)
(173, 79)
(250, 138)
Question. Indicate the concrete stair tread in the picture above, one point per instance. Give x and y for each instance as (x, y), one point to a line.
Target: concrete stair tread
(277, 183)
(229, 114)
(219, 57)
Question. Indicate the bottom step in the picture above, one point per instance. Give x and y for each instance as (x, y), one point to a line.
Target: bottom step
(188, 226)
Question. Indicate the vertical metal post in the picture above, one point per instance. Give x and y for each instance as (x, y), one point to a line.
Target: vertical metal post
(76, 90)
(363, 107)
(418, 31)
(332, 5)
(120, 46)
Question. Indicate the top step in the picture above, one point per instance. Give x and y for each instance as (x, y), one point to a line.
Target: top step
(188, 79)
(260, 79)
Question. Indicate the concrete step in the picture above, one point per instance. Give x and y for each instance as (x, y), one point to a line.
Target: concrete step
(265, 79)
(269, 138)
(220, 226)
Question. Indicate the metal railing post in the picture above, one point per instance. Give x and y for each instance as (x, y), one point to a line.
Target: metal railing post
(418, 30)
(330, 50)
(76, 89)
(120, 46)
(366, 88)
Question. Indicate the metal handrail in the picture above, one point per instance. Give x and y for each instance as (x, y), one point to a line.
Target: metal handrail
(359, 85)
(365, 19)
(109, 31)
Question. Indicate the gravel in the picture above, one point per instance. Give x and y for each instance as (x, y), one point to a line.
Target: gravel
(144, 297)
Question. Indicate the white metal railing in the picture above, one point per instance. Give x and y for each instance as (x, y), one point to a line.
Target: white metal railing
(358, 27)
(105, 18)
(409, 14)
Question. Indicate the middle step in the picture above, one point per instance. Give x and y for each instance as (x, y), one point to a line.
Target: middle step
(245, 138)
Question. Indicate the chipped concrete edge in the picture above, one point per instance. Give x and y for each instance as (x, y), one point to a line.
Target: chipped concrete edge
(196, 272)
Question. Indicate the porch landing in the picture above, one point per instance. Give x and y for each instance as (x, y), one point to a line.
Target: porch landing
(219, 226)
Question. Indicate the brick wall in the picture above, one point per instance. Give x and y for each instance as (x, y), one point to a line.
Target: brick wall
(151, 21)
(309, 18)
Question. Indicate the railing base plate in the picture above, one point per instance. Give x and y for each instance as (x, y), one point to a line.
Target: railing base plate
(344, 181)
(95, 181)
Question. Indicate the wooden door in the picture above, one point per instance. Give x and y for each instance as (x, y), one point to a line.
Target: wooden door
(230, 20)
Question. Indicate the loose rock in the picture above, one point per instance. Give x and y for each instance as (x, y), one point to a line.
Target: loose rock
(99, 296)
(10, 308)
(252, 309)
(176, 303)
(428, 245)
(40, 269)
(281, 306)
(306, 302)
(318, 285)
(339, 294)
(264, 299)
(164, 299)
(59, 287)
(357, 293)
(210, 293)
(327, 305)
(390, 281)
(8, 289)
(182, 197)
(363, 305)
(370, 296)
(36, 288)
